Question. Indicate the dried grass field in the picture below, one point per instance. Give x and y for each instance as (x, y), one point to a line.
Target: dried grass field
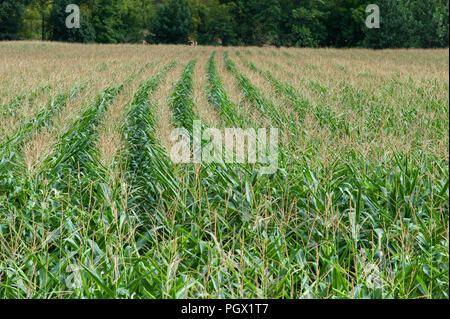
(92, 206)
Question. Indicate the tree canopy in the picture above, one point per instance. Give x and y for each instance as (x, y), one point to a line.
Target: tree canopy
(301, 23)
(11, 15)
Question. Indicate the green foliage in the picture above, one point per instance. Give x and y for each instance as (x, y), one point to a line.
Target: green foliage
(347, 228)
(59, 31)
(305, 23)
(218, 96)
(173, 22)
(31, 24)
(147, 163)
(344, 29)
(430, 26)
(307, 27)
(213, 23)
(43, 7)
(106, 22)
(258, 21)
(134, 15)
(11, 14)
(422, 24)
(395, 26)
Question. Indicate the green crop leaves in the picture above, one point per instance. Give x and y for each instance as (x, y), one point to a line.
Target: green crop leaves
(218, 96)
(149, 169)
(333, 221)
(182, 104)
(252, 93)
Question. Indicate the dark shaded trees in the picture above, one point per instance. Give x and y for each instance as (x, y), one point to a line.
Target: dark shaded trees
(11, 15)
(105, 19)
(429, 23)
(173, 23)
(43, 8)
(59, 30)
(302, 23)
(308, 25)
(410, 24)
(213, 22)
(344, 28)
(257, 21)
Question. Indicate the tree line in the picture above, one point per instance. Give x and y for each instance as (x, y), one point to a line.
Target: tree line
(298, 23)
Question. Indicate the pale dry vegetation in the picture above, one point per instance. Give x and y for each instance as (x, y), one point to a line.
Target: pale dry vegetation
(91, 205)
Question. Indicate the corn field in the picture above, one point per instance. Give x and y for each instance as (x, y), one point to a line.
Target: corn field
(92, 206)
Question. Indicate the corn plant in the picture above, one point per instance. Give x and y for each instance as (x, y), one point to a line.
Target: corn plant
(10, 108)
(150, 171)
(252, 93)
(333, 221)
(219, 98)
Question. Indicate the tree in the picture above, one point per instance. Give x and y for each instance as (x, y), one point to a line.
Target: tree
(43, 7)
(343, 30)
(429, 23)
(258, 21)
(308, 29)
(213, 23)
(132, 15)
(11, 15)
(173, 23)
(441, 18)
(59, 30)
(310, 23)
(396, 26)
(106, 21)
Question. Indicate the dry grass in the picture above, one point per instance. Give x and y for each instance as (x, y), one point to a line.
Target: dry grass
(205, 111)
(110, 143)
(39, 146)
(42, 143)
(340, 203)
(229, 82)
(161, 102)
(328, 77)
